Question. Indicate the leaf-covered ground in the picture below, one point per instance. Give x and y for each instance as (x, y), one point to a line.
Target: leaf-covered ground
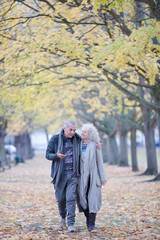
(28, 210)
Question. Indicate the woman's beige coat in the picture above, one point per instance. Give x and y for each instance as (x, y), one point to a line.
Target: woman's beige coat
(92, 167)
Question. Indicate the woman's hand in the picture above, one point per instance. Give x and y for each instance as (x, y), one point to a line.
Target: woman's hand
(103, 182)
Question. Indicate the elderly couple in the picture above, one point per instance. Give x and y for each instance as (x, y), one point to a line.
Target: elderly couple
(77, 164)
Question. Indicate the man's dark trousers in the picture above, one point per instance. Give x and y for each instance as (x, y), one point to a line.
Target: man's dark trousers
(65, 192)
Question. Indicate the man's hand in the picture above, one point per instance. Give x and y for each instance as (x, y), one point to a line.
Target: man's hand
(60, 155)
(98, 145)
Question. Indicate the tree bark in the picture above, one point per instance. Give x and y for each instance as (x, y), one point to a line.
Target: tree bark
(3, 158)
(105, 149)
(46, 132)
(152, 168)
(2, 152)
(28, 151)
(23, 146)
(158, 123)
(134, 151)
(19, 148)
(123, 149)
(155, 8)
(157, 178)
(113, 154)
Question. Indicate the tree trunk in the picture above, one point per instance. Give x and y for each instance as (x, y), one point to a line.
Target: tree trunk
(105, 149)
(23, 146)
(158, 123)
(123, 149)
(19, 148)
(157, 178)
(28, 152)
(155, 8)
(46, 132)
(3, 159)
(134, 151)
(2, 152)
(113, 154)
(148, 130)
(152, 168)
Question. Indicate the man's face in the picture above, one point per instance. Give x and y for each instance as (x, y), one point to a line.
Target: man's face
(70, 131)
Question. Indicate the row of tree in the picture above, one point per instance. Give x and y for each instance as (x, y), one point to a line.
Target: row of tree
(95, 60)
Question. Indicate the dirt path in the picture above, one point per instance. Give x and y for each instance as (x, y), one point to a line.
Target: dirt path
(28, 210)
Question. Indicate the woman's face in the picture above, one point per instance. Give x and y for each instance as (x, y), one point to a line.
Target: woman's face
(84, 134)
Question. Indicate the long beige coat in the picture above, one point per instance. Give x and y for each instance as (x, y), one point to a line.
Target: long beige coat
(92, 167)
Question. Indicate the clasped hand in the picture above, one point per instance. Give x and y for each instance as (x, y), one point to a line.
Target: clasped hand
(103, 183)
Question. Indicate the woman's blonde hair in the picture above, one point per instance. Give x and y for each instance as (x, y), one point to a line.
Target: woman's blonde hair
(93, 134)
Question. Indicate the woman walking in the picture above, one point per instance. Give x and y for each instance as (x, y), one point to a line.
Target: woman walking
(92, 175)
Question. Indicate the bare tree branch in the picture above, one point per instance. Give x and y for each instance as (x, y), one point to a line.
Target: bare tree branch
(48, 3)
(122, 25)
(10, 38)
(22, 2)
(87, 32)
(28, 17)
(137, 84)
(10, 8)
(133, 96)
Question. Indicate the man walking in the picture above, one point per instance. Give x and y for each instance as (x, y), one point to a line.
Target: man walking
(64, 152)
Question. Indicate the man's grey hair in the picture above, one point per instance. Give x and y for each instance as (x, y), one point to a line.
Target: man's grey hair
(66, 124)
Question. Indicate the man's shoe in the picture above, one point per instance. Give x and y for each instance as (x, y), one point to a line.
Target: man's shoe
(62, 223)
(92, 228)
(71, 228)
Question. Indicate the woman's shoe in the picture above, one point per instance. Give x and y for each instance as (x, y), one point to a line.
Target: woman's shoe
(92, 218)
(62, 223)
(87, 222)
